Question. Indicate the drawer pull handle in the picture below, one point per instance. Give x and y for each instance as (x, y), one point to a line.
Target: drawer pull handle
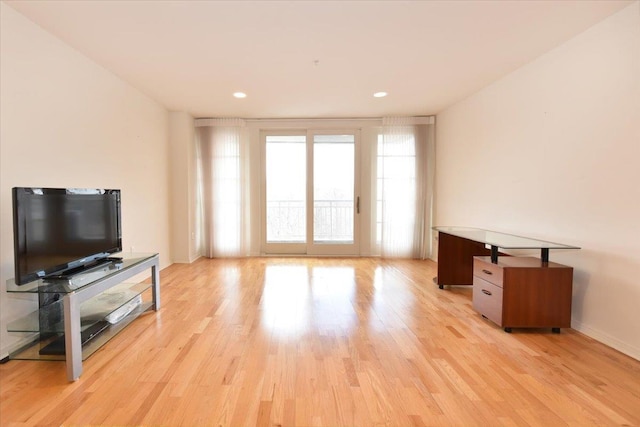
(487, 272)
(486, 292)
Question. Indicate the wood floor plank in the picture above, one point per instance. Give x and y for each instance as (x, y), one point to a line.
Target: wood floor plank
(325, 342)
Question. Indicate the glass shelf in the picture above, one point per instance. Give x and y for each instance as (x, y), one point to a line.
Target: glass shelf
(87, 277)
(91, 311)
(32, 350)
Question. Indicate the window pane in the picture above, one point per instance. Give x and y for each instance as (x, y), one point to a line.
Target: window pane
(396, 187)
(333, 188)
(286, 162)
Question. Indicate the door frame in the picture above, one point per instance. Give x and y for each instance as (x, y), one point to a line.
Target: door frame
(309, 247)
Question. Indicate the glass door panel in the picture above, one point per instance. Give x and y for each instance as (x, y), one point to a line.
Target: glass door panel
(333, 188)
(334, 209)
(286, 192)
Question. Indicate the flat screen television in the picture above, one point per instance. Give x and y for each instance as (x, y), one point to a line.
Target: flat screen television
(59, 230)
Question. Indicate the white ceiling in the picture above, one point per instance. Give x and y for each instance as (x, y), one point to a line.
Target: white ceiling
(313, 58)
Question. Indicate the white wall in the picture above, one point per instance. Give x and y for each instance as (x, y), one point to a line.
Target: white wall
(553, 151)
(183, 190)
(67, 122)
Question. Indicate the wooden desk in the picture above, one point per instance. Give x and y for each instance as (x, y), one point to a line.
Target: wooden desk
(458, 245)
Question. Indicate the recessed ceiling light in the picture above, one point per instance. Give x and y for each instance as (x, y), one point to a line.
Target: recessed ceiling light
(240, 94)
(380, 94)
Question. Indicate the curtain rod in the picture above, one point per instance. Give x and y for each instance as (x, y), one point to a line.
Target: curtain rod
(299, 119)
(203, 120)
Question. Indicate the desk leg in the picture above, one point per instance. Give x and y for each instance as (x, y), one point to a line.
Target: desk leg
(72, 338)
(544, 255)
(455, 259)
(155, 280)
(494, 254)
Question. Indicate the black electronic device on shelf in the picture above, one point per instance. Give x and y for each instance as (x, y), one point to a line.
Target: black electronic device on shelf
(57, 346)
(57, 230)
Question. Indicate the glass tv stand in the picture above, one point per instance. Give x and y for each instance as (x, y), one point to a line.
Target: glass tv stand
(79, 314)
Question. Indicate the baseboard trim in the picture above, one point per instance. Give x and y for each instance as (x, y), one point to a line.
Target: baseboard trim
(606, 339)
(5, 351)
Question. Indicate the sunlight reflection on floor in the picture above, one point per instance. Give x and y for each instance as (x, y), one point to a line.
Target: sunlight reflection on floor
(297, 298)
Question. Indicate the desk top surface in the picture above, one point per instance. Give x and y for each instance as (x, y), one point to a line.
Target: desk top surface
(501, 240)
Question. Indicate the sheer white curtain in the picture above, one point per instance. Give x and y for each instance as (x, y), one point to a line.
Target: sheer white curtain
(223, 158)
(404, 182)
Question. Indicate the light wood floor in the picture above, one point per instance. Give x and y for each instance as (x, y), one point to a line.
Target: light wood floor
(325, 342)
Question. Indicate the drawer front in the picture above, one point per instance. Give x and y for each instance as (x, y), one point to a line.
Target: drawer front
(487, 300)
(492, 273)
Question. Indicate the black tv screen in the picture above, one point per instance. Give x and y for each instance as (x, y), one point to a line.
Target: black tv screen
(59, 229)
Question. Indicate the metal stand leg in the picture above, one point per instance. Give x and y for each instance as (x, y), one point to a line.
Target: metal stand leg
(155, 279)
(72, 338)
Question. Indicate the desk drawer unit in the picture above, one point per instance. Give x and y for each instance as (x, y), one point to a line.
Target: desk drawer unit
(487, 299)
(523, 292)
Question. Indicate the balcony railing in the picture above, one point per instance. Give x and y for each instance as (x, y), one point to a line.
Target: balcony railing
(333, 221)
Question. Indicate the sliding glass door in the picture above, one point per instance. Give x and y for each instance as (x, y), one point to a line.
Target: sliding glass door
(334, 197)
(285, 193)
(310, 193)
